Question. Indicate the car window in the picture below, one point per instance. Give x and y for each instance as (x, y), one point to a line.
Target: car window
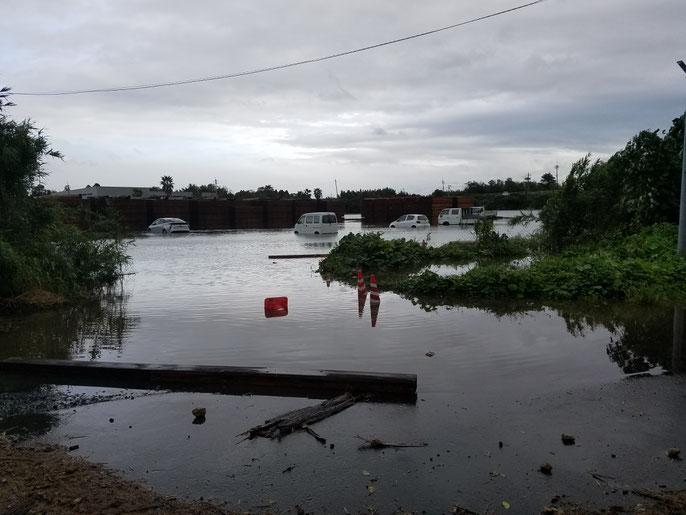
(309, 219)
(316, 219)
(410, 218)
(422, 218)
(444, 212)
(301, 220)
(456, 211)
(329, 219)
(401, 219)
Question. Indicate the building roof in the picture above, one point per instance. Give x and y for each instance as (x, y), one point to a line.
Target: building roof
(120, 191)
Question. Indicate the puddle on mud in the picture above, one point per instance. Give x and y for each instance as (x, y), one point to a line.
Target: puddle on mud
(500, 371)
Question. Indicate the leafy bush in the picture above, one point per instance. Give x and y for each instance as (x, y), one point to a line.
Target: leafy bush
(39, 245)
(11, 269)
(642, 267)
(371, 252)
(638, 186)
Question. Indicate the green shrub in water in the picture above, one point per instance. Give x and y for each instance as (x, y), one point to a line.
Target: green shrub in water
(371, 252)
(642, 267)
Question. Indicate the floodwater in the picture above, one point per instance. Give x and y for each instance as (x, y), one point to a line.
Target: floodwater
(516, 374)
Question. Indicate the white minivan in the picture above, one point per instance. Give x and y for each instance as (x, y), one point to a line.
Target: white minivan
(462, 215)
(322, 222)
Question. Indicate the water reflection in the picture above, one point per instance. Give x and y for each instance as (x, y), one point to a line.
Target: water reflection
(643, 338)
(374, 309)
(678, 361)
(361, 301)
(80, 330)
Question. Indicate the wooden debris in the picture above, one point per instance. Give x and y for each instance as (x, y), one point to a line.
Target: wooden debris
(301, 418)
(674, 453)
(647, 493)
(568, 439)
(375, 443)
(312, 432)
(546, 468)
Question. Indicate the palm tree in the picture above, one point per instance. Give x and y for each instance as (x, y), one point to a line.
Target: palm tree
(167, 185)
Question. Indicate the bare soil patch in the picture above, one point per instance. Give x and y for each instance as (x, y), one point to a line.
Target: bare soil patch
(48, 480)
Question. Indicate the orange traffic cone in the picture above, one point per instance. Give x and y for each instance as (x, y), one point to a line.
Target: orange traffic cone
(361, 300)
(374, 308)
(361, 289)
(374, 295)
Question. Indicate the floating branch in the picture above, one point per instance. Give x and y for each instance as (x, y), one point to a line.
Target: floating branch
(375, 443)
(301, 418)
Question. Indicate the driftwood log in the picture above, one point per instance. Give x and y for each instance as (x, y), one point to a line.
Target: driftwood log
(301, 418)
(375, 443)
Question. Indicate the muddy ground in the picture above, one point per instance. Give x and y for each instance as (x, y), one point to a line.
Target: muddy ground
(641, 418)
(46, 479)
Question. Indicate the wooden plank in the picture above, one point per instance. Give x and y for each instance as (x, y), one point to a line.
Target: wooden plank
(296, 256)
(215, 378)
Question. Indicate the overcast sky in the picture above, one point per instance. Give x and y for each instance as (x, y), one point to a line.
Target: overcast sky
(503, 97)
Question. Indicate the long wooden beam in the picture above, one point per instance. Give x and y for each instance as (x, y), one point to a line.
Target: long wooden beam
(295, 256)
(215, 378)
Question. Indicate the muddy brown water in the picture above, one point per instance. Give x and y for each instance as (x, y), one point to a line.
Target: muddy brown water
(516, 373)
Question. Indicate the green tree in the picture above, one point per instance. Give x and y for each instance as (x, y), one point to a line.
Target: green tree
(548, 181)
(638, 186)
(167, 184)
(23, 151)
(317, 193)
(39, 245)
(648, 172)
(267, 192)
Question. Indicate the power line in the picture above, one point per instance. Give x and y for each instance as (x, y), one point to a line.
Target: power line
(278, 67)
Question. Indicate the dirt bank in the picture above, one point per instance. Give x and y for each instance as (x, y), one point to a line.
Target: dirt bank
(31, 301)
(47, 479)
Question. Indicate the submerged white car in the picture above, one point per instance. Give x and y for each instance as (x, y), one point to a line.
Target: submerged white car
(322, 222)
(411, 222)
(168, 226)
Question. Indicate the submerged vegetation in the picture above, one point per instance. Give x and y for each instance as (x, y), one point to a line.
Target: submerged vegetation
(608, 232)
(642, 267)
(371, 252)
(42, 247)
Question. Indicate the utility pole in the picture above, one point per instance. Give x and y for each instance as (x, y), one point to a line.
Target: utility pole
(681, 245)
(557, 166)
(336, 186)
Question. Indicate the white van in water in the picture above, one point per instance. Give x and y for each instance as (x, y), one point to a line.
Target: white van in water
(463, 215)
(322, 222)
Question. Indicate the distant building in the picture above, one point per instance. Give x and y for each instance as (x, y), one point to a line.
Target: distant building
(122, 191)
